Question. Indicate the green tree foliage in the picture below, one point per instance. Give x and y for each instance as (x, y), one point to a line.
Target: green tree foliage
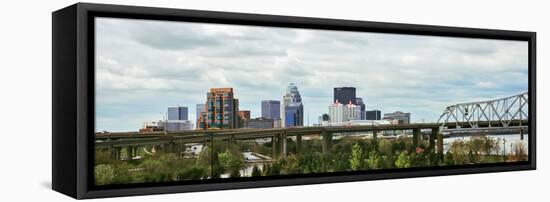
(194, 172)
(519, 152)
(104, 174)
(346, 153)
(290, 165)
(356, 156)
(459, 150)
(385, 147)
(403, 160)
(256, 172)
(373, 160)
(449, 158)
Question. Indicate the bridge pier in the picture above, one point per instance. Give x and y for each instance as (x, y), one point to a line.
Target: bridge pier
(416, 136)
(278, 146)
(375, 135)
(521, 133)
(283, 145)
(115, 153)
(273, 147)
(439, 142)
(432, 138)
(327, 141)
(298, 144)
(129, 153)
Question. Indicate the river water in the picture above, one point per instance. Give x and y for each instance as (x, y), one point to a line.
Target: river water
(506, 141)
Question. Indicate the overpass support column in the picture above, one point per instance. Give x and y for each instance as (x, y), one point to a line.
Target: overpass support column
(416, 136)
(433, 135)
(521, 133)
(327, 140)
(129, 153)
(273, 150)
(298, 144)
(115, 153)
(276, 146)
(283, 145)
(439, 143)
(375, 135)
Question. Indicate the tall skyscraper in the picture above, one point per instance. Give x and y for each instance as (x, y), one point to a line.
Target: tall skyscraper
(361, 104)
(271, 109)
(345, 95)
(177, 113)
(221, 110)
(292, 109)
(200, 108)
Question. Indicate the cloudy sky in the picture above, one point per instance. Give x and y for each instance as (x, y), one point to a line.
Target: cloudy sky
(144, 66)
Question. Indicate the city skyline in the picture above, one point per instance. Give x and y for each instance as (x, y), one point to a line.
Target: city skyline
(143, 67)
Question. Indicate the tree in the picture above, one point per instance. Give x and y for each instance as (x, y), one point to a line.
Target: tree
(519, 152)
(256, 171)
(496, 146)
(355, 157)
(458, 149)
(385, 147)
(489, 146)
(449, 159)
(291, 165)
(194, 172)
(104, 174)
(403, 160)
(373, 161)
(471, 157)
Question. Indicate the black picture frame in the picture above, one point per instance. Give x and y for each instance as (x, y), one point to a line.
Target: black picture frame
(73, 97)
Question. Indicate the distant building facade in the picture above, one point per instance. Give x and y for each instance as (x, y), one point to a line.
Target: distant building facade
(176, 125)
(337, 113)
(373, 115)
(345, 95)
(292, 109)
(200, 108)
(259, 123)
(399, 117)
(360, 102)
(221, 110)
(151, 127)
(243, 115)
(353, 112)
(271, 109)
(177, 113)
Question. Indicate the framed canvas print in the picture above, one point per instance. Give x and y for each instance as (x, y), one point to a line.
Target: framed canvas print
(157, 100)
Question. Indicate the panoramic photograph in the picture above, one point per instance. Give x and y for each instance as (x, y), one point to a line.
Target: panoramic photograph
(185, 101)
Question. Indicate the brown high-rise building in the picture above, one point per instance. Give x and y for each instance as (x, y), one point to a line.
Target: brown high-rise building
(244, 114)
(221, 110)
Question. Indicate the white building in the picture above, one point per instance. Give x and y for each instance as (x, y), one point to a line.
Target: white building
(337, 113)
(353, 112)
